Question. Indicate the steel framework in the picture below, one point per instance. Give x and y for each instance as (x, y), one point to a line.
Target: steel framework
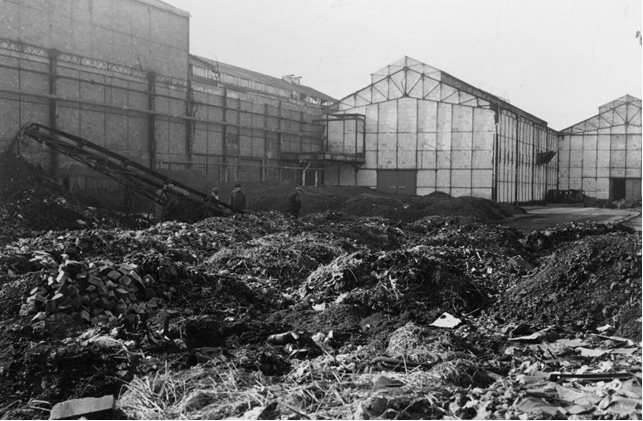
(151, 184)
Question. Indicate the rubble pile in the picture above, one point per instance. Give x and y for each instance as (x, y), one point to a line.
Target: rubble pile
(590, 283)
(98, 293)
(545, 239)
(411, 279)
(32, 202)
(261, 315)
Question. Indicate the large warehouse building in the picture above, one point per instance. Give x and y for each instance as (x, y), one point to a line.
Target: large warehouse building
(120, 74)
(602, 155)
(420, 129)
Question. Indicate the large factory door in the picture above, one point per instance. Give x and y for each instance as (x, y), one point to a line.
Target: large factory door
(617, 188)
(397, 181)
(625, 188)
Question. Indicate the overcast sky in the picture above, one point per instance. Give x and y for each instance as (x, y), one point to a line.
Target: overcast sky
(557, 59)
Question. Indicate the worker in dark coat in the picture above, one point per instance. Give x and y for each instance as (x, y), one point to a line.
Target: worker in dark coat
(294, 202)
(214, 193)
(237, 198)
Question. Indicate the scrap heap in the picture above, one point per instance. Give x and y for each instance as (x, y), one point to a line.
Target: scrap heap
(262, 316)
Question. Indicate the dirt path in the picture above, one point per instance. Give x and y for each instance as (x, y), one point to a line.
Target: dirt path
(540, 218)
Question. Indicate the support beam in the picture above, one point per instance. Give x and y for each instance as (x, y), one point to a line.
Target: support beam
(496, 152)
(224, 138)
(190, 110)
(151, 119)
(516, 155)
(53, 110)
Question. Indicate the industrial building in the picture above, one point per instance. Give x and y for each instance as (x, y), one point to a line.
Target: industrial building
(602, 155)
(120, 74)
(420, 130)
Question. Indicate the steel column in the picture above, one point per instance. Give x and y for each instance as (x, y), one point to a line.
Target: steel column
(151, 118)
(53, 110)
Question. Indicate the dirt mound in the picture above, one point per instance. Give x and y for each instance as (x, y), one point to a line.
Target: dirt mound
(364, 201)
(429, 199)
(546, 239)
(314, 198)
(587, 283)
(356, 232)
(30, 201)
(414, 279)
(280, 256)
(260, 315)
(468, 233)
(368, 204)
(483, 209)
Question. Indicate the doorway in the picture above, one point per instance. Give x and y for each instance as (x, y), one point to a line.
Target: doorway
(397, 181)
(617, 188)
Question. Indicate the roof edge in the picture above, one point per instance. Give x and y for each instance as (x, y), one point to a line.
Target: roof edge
(277, 81)
(161, 5)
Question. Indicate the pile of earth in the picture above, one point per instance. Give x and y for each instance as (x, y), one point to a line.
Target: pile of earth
(32, 201)
(434, 204)
(589, 283)
(314, 198)
(364, 201)
(442, 204)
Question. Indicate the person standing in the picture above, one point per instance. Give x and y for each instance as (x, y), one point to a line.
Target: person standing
(237, 198)
(294, 202)
(214, 193)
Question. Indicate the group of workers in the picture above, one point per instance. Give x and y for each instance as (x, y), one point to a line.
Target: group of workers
(238, 199)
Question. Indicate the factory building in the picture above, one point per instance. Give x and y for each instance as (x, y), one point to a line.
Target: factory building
(119, 74)
(416, 129)
(602, 155)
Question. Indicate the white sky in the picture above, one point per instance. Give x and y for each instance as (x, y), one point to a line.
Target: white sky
(557, 59)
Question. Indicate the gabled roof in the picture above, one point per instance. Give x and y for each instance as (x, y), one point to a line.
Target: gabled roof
(240, 72)
(400, 64)
(613, 113)
(409, 77)
(625, 99)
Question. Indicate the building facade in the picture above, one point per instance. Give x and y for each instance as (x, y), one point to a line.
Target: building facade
(419, 129)
(602, 155)
(119, 74)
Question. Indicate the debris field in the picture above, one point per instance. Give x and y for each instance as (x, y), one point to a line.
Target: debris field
(379, 308)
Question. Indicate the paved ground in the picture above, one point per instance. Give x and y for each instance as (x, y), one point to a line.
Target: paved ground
(544, 217)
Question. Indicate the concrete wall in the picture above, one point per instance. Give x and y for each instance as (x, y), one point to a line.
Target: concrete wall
(602, 148)
(145, 34)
